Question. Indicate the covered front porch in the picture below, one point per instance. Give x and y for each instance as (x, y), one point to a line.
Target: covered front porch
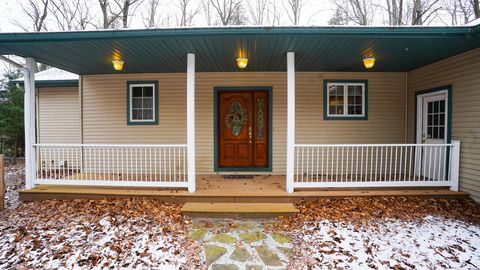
(364, 144)
(215, 188)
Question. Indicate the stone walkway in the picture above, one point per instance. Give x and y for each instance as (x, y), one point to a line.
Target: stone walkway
(240, 244)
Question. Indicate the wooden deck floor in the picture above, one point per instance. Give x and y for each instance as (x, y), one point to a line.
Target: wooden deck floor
(214, 188)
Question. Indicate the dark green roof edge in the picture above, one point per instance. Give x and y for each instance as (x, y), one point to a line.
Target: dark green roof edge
(52, 83)
(464, 31)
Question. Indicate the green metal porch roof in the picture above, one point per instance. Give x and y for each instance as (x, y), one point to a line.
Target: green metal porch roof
(317, 48)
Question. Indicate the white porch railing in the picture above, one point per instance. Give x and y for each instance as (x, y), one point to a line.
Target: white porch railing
(112, 165)
(376, 165)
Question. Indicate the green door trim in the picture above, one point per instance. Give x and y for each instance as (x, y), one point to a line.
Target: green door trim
(216, 91)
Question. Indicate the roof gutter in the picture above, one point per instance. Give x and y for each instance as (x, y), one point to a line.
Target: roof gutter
(349, 32)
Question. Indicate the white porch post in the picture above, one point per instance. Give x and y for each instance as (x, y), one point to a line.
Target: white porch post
(29, 119)
(191, 120)
(455, 166)
(290, 119)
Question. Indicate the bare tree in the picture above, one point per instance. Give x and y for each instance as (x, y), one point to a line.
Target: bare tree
(293, 9)
(186, 13)
(127, 9)
(338, 18)
(276, 13)
(226, 10)
(71, 15)
(395, 11)
(207, 11)
(36, 11)
(150, 20)
(357, 11)
(109, 15)
(476, 8)
(258, 10)
(423, 11)
(115, 10)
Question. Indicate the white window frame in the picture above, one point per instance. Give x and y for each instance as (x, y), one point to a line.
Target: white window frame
(154, 104)
(345, 100)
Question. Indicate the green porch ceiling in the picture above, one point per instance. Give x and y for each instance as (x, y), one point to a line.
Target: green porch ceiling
(317, 48)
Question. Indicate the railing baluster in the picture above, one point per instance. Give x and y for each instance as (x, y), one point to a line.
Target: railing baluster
(434, 173)
(361, 166)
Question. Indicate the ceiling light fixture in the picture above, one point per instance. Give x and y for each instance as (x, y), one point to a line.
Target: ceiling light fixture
(117, 64)
(242, 62)
(369, 62)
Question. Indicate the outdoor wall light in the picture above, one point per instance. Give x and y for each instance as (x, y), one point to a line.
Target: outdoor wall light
(369, 62)
(117, 64)
(242, 62)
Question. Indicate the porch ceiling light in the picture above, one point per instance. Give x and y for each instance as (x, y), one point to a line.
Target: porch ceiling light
(242, 62)
(369, 62)
(117, 64)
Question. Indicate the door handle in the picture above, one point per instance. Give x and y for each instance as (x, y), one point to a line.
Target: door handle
(250, 134)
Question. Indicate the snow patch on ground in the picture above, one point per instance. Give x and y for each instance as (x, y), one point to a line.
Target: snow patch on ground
(430, 243)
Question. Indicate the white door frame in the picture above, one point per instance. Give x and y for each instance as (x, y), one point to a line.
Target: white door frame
(420, 115)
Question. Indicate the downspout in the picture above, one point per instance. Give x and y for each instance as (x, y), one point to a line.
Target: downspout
(405, 139)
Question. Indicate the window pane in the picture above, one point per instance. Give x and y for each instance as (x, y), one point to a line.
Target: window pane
(358, 110)
(148, 91)
(137, 114)
(442, 106)
(148, 114)
(435, 119)
(435, 133)
(430, 107)
(136, 103)
(148, 103)
(436, 106)
(442, 119)
(136, 91)
(351, 109)
(441, 134)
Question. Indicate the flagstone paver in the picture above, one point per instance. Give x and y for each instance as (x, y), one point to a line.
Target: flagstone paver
(224, 238)
(212, 253)
(198, 234)
(224, 267)
(253, 267)
(238, 244)
(268, 256)
(281, 238)
(250, 237)
(241, 255)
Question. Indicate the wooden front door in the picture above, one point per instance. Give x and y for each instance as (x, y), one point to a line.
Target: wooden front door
(243, 128)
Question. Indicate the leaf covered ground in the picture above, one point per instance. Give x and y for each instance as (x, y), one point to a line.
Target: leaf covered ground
(384, 233)
(87, 234)
(349, 233)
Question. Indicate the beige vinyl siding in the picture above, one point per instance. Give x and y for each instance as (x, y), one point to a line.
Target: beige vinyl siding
(463, 73)
(104, 111)
(58, 115)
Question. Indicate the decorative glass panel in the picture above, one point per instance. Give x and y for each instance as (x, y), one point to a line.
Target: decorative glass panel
(260, 119)
(236, 118)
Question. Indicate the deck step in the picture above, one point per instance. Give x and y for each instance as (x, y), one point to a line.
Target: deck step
(238, 210)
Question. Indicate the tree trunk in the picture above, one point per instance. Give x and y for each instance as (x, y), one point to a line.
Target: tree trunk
(126, 8)
(476, 8)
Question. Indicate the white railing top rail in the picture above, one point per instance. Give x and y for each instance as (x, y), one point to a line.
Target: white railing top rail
(371, 145)
(108, 145)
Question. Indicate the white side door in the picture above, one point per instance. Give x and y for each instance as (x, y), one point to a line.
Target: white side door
(432, 121)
